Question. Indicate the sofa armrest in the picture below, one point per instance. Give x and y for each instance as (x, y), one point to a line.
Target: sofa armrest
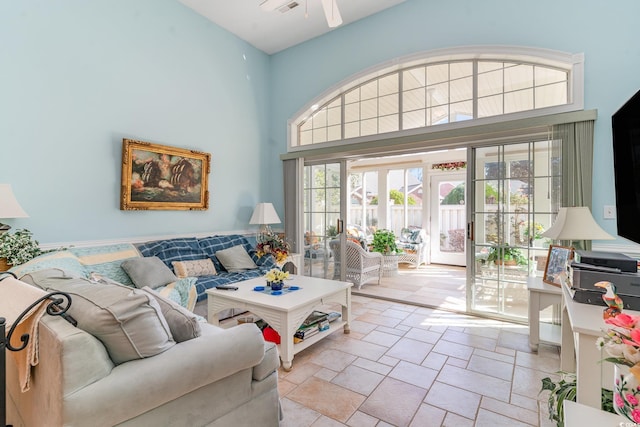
(270, 362)
(185, 367)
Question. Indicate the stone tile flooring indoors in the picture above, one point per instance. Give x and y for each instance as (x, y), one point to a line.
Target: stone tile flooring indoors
(404, 365)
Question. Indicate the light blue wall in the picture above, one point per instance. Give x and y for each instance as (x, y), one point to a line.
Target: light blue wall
(78, 76)
(606, 32)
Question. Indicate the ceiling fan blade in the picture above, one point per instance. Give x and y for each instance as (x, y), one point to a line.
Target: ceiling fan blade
(332, 13)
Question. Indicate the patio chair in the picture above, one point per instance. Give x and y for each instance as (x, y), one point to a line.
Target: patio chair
(415, 246)
(362, 266)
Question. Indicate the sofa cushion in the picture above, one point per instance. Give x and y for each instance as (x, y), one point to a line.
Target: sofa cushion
(151, 272)
(183, 324)
(128, 321)
(182, 291)
(236, 259)
(181, 249)
(194, 268)
(212, 244)
(106, 260)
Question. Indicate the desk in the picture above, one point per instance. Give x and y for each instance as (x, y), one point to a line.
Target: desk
(541, 296)
(582, 324)
(577, 415)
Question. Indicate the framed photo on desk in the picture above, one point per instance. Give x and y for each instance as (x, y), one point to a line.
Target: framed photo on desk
(556, 271)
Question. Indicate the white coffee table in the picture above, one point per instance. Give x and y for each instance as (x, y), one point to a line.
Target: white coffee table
(286, 312)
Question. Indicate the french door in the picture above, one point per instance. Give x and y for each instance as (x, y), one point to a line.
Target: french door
(448, 219)
(323, 212)
(514, 192)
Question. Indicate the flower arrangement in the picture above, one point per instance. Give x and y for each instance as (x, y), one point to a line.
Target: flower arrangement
(18, 247)
(449, 166)
(275, 275)
(622, 343)
(271, 243)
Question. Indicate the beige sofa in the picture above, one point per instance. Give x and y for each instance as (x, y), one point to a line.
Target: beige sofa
(223, 377)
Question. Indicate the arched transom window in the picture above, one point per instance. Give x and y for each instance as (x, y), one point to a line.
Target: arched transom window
(431, 94)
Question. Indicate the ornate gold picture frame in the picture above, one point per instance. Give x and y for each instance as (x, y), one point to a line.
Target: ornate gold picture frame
(159, 177)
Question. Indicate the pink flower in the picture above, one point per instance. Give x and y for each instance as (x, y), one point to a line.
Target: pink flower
(632, 399)
(635, 414)
(619, 400)
(623, 320)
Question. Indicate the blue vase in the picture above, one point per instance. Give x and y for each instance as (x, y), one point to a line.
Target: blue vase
(276, 286)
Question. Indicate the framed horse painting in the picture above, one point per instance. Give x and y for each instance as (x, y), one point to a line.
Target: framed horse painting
(161, 177)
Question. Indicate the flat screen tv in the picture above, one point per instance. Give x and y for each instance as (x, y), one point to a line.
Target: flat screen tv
(626, 161)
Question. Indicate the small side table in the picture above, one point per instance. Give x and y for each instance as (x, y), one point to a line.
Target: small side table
(541, 296)
(390, 265)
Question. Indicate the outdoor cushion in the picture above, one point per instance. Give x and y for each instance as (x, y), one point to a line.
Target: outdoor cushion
(151, 272)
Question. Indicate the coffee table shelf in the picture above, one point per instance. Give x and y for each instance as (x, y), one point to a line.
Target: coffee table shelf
(285, 313)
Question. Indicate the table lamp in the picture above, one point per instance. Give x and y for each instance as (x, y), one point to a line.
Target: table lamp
(9, 206)
(264, 214)
(575, 224)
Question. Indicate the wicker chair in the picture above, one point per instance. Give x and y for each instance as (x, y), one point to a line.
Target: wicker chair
(415, 244)
(362, 266)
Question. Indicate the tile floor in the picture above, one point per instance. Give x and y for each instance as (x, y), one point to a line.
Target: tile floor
(404, 365)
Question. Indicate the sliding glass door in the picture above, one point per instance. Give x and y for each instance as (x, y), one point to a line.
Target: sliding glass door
(515, 191)
(323, 209)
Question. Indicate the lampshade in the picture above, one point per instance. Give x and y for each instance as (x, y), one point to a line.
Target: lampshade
(9, 206)
(576, 223)
(264, 213)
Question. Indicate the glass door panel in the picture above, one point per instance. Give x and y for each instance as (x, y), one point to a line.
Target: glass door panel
(516, 190)
(449, 219)
(322, 211)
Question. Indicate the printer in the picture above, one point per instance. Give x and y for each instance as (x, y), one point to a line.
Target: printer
(591, 267)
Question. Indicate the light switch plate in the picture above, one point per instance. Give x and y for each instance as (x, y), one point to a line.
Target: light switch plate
(609, 212)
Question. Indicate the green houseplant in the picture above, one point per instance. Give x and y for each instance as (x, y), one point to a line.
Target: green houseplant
(384, 241)
(18, 247)
(506, 255)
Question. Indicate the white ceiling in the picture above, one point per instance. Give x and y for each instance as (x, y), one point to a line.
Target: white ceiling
(274, 31)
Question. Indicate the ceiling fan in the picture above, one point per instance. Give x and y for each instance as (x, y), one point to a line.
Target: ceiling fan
(330, 7)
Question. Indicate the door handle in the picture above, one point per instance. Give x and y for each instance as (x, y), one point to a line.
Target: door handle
(470, 231)
(339, 226)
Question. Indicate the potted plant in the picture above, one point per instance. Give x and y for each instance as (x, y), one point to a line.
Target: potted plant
(506, 255)
(564, 389)
(384, 241)
(17, 248)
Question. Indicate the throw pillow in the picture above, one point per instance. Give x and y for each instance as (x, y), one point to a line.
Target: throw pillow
(195, 268)
(183, 324)
(128, 321)
(235, 259)
(148, 271)
(183, 292)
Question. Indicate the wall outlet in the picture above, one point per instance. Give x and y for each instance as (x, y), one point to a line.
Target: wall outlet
(609, 212)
